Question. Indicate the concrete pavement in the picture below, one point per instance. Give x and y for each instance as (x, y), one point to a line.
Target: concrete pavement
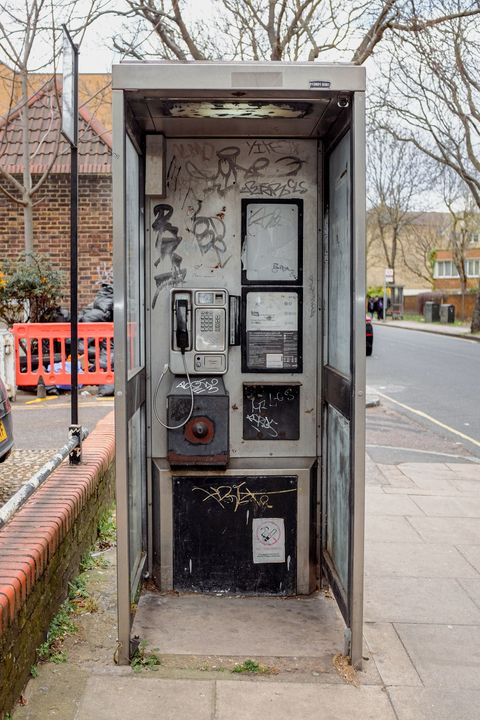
(462, 331)
(422, 629)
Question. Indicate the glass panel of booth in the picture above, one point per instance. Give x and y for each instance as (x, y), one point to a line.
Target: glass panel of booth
(134, 260)
(136, 490)
(339, 258)
(338, 494)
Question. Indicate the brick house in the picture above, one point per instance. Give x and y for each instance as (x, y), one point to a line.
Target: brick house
(51, 214)
(424, 260)
(446, 275)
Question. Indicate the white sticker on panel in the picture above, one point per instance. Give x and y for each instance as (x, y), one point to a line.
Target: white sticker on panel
(268, 540)
(274, 360)
(272, 311)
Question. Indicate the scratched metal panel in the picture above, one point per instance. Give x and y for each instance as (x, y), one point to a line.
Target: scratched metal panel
(214, 533)
(338, 493)
(195, 241)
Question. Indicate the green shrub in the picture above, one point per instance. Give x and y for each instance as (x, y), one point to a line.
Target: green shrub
(30, 289)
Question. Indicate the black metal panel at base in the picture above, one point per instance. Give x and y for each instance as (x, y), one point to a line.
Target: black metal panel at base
(235, 534)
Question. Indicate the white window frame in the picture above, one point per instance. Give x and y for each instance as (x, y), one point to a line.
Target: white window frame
(442, 265)
(470, 267)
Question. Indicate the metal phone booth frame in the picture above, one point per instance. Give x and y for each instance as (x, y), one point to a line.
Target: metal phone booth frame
(239, 257)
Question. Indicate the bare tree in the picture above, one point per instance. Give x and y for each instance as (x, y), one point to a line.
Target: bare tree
(431, 86)
(419, 248)
(274, 30)
(397, 177)
(29, 42)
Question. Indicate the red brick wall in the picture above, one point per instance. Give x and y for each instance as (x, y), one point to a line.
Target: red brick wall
(447, 284)
(40, 552)
(52, 229)
(411, 304)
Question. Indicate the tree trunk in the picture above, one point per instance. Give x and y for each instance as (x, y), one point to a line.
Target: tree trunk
(28, 228)
(463, 282)
(475, 326)
(27, 178)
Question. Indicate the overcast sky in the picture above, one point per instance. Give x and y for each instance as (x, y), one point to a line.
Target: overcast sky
(96, 54)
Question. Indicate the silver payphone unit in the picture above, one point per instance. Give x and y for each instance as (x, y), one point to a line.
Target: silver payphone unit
(231, 271)
(199, 331)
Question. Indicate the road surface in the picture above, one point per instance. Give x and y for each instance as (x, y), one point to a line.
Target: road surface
(430, 378)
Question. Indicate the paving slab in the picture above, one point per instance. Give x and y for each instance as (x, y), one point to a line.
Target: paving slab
(426, 470)
(472, 554)
(430, 476)
(389, 529)
(384, 504)
(390, 656)
(448, 506)
(394, 476)
(445, 656)
(467, 486)
(111, 698)
(278, 701)
(453, 531)
(428, 704)
(422, 600)
(241, 626)
(373, 476)
(399, 559)
(467, 471)
(472, 588)
(450, 491)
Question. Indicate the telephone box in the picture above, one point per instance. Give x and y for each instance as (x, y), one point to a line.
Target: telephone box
(239, 270)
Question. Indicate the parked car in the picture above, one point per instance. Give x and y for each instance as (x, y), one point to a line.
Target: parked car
(6, 426)
(369, 336)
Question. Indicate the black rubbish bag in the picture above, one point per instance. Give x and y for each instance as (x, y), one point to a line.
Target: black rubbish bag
(105, 390)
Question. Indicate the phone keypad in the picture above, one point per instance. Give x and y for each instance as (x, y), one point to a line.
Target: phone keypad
(207, 322)
(210, 329)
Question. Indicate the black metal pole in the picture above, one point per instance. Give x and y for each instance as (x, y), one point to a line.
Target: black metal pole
(74, 282)
(75, 429)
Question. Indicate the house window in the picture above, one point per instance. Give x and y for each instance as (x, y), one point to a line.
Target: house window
(445, 269)
(472, 267)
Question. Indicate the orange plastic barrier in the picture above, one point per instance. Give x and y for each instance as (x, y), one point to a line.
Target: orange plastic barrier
(42, 349)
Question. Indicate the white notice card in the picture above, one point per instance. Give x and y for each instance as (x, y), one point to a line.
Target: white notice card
(268, 540)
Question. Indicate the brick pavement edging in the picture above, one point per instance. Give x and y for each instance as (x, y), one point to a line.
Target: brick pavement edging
(40, 553)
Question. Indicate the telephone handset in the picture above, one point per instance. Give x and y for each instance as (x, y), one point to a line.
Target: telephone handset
(199, 333)
(181, 332)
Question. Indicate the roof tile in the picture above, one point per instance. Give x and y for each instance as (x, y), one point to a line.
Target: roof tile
(94, 141)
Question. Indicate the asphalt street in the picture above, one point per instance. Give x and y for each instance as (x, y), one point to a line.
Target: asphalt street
(43, 424)
(431, 380)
